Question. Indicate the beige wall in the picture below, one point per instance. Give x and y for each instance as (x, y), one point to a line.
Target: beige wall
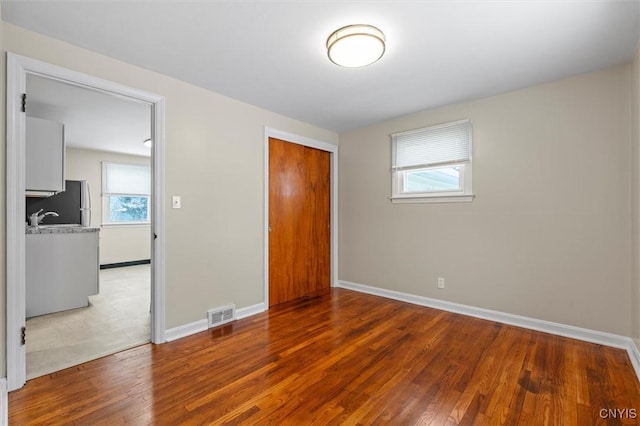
(635, 197)
(548, 233)
(214, 160)
(117, 243)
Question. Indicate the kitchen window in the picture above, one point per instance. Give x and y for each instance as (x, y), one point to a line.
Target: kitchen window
(432, 164)
(126, 192)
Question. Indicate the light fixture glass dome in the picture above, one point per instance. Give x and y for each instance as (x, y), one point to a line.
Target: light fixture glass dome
(356, 45)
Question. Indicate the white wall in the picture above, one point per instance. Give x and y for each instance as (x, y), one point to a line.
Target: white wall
(123, 243)
(214, 160)
(548, 235)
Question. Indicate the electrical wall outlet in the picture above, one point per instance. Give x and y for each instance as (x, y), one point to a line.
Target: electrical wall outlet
(440, 282)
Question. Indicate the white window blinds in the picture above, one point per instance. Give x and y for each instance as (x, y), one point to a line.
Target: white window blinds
(126, 179)
(443, 144)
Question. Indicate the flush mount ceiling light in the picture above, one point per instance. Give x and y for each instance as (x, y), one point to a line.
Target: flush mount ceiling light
(356, 45)
(147, 143)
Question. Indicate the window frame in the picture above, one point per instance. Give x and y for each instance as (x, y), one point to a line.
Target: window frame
(106, 198)
(398, 175)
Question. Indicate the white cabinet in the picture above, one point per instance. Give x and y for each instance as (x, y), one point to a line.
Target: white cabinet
(62, 271)
(45, 152)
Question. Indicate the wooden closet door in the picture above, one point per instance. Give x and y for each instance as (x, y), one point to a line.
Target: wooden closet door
(299, 220)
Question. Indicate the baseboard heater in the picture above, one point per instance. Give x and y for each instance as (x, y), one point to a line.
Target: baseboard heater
(123, 264)
(221, 315)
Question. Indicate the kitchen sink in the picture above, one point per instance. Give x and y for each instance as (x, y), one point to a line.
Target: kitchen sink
(60, 225)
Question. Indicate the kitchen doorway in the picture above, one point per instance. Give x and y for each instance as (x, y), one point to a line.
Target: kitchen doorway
(18, 69)
(69, 323)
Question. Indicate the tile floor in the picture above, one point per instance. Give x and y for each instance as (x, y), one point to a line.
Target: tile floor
(117, 318)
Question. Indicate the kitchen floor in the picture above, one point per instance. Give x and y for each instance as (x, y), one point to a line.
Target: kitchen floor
(117, 318)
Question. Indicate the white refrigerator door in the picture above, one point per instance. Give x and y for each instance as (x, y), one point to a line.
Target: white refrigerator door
(85, 198)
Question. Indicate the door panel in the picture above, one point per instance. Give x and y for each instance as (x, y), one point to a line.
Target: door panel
(299, 219)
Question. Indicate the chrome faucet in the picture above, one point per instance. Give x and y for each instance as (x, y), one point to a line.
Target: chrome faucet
(36, 217)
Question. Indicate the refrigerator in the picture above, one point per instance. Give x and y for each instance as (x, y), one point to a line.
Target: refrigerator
(73, 205)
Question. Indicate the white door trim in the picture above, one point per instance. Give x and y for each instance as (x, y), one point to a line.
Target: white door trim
(17, 69)
(312, 143)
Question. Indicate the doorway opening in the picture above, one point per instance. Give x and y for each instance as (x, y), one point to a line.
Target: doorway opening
(19, 70)
(83, 318)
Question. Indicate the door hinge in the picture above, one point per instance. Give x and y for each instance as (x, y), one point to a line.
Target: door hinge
(155, 236)
(24, 102)
(23, 336)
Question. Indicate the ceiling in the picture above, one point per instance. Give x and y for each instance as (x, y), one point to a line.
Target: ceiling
(272, 53)
(92, 119)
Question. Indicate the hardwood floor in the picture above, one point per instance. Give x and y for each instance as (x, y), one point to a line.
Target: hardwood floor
(341, 357)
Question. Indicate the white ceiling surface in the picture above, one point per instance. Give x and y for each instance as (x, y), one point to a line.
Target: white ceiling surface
(92, 119)
(272, 53)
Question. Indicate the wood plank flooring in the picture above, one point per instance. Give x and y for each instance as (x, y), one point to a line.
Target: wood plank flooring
(341, 357)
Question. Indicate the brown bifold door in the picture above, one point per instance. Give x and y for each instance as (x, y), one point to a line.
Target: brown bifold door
(299, 220)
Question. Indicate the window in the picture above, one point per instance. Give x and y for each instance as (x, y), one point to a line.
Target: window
(432, 164)
(126, 190)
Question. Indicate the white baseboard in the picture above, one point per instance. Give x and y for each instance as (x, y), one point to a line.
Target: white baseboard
(564, 330)
(185, 330)
(4, 403)
(634, 354)
(202, 325)
(250, 310)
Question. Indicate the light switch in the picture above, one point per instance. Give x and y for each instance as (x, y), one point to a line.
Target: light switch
(176, 202)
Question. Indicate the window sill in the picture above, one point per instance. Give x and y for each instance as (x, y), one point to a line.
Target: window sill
(125, 224)
(433, 199)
